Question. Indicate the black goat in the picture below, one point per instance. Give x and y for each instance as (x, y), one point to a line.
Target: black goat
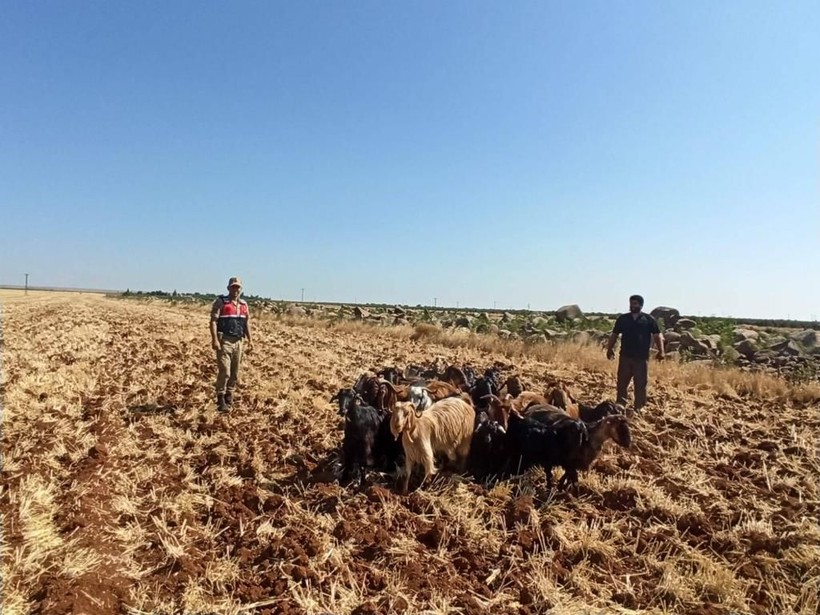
(391, 374)
(469, 375)
(362, 425)
(532, 442)
(345, 398)
(480, 393)
(488, 450)
(493, 374)
(549, 438)
(388, 451)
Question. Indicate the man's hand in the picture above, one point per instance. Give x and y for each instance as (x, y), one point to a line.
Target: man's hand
(249, 346)
(661, 356)
(610, 353)
(216, 345)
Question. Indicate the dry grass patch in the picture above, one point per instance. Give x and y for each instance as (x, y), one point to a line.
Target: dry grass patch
(122, 482)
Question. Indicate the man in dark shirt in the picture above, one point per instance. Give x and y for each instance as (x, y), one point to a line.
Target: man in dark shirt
(637, 330)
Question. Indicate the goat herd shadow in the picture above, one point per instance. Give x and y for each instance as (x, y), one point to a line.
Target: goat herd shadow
(328, 471)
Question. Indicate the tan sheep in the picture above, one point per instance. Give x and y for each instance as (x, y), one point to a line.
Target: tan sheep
(446, 427)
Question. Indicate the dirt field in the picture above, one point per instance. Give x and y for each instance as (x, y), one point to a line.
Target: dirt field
(124, 492)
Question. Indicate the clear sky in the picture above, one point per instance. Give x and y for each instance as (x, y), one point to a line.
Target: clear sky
(537, 153)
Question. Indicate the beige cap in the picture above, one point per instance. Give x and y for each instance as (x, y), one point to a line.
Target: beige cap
(234, 281)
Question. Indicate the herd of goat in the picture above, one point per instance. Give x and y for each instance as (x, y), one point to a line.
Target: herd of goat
(397, 420)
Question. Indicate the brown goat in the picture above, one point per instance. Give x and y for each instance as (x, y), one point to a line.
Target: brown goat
(446, 427)
(546, 413)
(440, 390)
(613, 427)
(526, 399)
(499, 410)
(388, 395)
(590, 414)
(455, 375)
(559, 395)
(514, 386)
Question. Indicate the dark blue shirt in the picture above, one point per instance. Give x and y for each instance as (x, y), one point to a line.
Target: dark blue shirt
(636, 334)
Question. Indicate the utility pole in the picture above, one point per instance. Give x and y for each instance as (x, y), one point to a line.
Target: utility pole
(26, 292)
(435, 301)
(303, 295)
(493, 304)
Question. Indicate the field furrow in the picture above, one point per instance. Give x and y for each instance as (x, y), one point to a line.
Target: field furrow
(123, 491)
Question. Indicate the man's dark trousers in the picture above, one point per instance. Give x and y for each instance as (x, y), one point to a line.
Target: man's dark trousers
(636, 370)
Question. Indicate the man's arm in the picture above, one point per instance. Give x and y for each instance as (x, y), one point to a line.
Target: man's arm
(214, 318)
(248, 331)
(659, 343)
(656, 334)
(613, 337)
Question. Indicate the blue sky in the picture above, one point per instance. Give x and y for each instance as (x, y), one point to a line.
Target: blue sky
(520, 153)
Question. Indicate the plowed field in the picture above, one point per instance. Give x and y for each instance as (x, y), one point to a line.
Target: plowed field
(124, 492)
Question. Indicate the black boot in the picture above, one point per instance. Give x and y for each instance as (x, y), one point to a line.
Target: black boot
(229, 398)
(221, 406)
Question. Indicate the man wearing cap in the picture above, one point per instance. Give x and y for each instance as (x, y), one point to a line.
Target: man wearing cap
(230, 325)
(637, 330)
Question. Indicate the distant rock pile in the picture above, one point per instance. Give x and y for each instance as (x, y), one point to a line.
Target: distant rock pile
(785, 352)
(788, 352)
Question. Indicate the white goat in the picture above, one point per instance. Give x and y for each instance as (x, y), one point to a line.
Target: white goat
(446, 428)
(420, 398)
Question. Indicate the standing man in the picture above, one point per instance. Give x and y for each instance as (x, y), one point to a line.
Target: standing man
(637, 330)
(230, 325)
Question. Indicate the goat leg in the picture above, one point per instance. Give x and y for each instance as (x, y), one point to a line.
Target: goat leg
(548, 472)
(404, 481)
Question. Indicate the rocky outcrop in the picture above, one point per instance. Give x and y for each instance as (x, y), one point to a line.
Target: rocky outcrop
(808, 339)
(787, 348)
(745, 347)
(465, 322)
(568, 312)
(670, 336)
(695, 346)
(740, 334)
(685, 324)
(669, 315)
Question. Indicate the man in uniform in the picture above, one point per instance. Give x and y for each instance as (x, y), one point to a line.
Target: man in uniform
(230, 325)
(637, 331)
